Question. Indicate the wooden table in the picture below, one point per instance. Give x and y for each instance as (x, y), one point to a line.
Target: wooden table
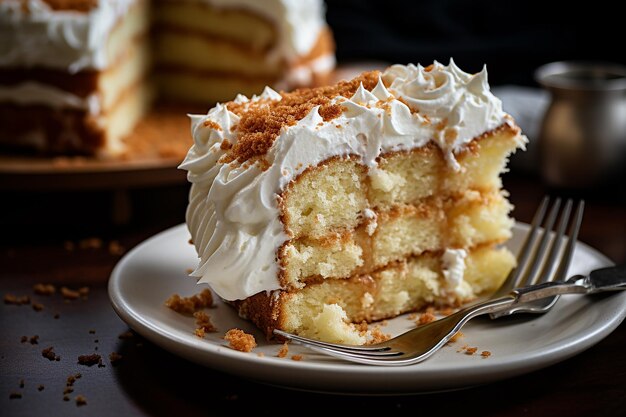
(40, 243)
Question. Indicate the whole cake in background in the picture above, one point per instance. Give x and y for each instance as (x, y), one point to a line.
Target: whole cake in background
(316, 210)
(75, 75)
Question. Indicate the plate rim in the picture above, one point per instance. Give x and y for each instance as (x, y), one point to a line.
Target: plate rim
(231, 361)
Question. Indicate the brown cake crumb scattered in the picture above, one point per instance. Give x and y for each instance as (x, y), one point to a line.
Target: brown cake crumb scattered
(44, 289)
(378, 336)
(66, 398)
(126, 335)
(90, 360)
(34, 340)
(21, 383)
(14, 395)
(81, 400)
(239, 340)
(426, 318)
(90, 243)
(24, 339)
(456, 337)
(115, 358)
(69, 294)
(92, 331)
(470, 350)
(362, 327)
(72, 378)
(412, 316)
(297, 358)
(83, 291)
(38, 306)
(199, 332)
(485, 353)
(189, 305)
(68, 390)
(49, 354)
(203, 321)
(16, 300)
(446, 311)
(115, 248)
(284, 350)
(40, 387)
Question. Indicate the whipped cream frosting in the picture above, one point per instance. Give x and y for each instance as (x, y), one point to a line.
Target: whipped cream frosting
(34, 34)
(233, 213)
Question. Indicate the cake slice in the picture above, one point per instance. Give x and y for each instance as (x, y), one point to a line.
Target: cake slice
(316, 210)
(209, 50)
(72, 74)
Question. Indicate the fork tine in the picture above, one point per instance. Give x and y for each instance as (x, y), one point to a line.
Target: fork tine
(539, 251)
(556, 245)
(512, 279)
(566, 259)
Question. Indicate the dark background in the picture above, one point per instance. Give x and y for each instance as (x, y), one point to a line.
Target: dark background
(512, 37)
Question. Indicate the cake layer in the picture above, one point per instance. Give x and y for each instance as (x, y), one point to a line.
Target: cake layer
(205, 87)
(71, 130)
(236, 26)
(323, 310)
(391, 235)
(332, 196)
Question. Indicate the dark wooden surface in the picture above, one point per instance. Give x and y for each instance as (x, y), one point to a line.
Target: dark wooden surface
(152, 382)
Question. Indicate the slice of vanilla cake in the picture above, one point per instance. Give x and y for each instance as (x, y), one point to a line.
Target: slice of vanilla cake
(73, 74)
(316, 210)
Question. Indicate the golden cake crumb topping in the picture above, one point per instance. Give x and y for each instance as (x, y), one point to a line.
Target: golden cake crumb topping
(261, 121)
(240, 340)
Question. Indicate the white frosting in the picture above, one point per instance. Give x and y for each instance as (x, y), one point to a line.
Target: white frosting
(372, 223)
(31, 92)
(233, 213)
(453, 271)
(64, 39)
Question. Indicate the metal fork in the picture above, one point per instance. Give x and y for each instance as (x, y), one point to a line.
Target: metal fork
(420, 343)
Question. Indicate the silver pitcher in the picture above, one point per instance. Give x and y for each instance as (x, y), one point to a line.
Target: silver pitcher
(582, 142)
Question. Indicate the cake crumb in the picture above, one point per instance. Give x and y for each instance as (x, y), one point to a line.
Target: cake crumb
(284, 350)
(44, 289)
(81, 400)
(189, 305)
(260, 354)
(126, 335)
(38, 306)
(21, 383)
(40, 387)
(377, 336)
(470, 350)
(426, 318)
(446, 311)
(83, 291)
(16, 300)
(456, 337)
(24, 339)
(68, 390)
(72, 378)
(115, 358)
(92, 331)
(34, 340)
(115, 248)
(66, 398)
(69, 294)
(49, 354)
(239, 340)
(14, 395)
(203, 321)
(90, 243)
(90, 360)
(297, 358)
(485, 353)
(199, 332)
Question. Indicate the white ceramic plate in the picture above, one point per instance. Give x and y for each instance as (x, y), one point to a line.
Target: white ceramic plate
(156, 269)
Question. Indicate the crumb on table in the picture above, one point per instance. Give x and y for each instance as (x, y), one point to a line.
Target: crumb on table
(239, 340)
(284, 350)
(203, 321)
(49, 354)
(485, 353)
(90, 360)
(115, 358)
(16, 300)
(81, 400)
(297, 358)
(69, 294)
(44, 289)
